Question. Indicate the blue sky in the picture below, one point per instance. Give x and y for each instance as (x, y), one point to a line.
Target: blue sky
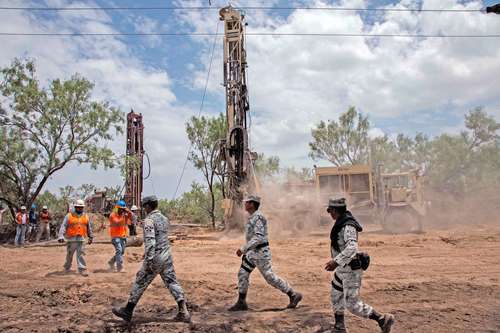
(404, 85)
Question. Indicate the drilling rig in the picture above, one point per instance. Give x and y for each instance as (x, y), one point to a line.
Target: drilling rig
(135, 156)
(235, 153)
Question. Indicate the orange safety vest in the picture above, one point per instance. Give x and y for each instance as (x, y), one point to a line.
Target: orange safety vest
(118, 225)
(19, 218)
(77, 225)
(45, 217)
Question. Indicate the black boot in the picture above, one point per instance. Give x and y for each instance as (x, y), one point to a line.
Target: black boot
(385, 321)
(339, 326)
(124, 312)
(241, 304)
(295, 298)
(183, 313)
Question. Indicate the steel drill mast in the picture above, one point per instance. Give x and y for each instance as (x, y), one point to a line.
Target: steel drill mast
(135, 153)
(235, 151)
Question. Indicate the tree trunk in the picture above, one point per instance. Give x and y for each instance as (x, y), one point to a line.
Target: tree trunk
(212, 208)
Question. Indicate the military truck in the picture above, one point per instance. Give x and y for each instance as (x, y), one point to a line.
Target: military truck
(395, 200)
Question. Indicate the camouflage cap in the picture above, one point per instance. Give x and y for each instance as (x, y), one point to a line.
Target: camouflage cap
(149, 199)
(253, 198)
(337, 203)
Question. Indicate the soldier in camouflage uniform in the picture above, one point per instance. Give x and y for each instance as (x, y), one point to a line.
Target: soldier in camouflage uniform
(157, 260)
(347, 277)
(256, 253)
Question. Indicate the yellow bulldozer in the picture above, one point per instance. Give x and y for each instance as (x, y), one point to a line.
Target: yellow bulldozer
(395, 200)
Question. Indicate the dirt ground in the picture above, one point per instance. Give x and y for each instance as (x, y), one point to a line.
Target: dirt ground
(440, 281)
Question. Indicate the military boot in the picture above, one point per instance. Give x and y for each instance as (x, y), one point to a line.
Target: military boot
(386, 323)
(241, 304)
(295, 298)
(183, 313)
(339, 326)
(124, 312)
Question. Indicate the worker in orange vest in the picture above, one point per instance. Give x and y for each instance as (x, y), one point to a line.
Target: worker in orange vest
(22, 222)
(75, 228)
(44, 226)
(119, 220)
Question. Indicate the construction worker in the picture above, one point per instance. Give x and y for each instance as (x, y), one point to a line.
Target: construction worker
(33, 224)
(256, 253)
(119, 219)
(133, 226)
(157, 260)
(22, 221)
(75, 228)
(348, 270)
(44, 226)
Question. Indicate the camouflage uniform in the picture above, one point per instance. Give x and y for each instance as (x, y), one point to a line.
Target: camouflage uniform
(157, 259)
(257, 254)
(346, 282)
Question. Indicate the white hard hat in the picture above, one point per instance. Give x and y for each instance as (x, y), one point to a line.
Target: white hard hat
(44, 207)
(23, 207)
(134, 207)
(79, 203)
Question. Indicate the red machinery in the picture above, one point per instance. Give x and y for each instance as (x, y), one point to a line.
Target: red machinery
(135, 157)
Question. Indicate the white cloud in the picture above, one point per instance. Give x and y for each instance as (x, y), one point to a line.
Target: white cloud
(375, 132)
(293, 81)
(146, 25)
(119, 76)
(296, 81)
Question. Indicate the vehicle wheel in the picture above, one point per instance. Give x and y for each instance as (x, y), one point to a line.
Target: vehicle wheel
(401, 221)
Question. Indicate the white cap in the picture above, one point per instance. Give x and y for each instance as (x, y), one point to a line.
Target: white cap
(253, 198)
(44, 207)
(79, 203)
(134, 207)
(23, 207)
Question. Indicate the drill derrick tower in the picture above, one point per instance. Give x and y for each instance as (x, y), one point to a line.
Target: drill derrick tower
(236, 155)
(135, 156)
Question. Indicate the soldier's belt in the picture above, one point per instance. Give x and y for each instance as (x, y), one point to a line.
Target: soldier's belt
(260, 246)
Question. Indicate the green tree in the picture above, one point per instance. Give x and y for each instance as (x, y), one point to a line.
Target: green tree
(44, 129)
(114, 192)
(85, 190)
(342, 143)
(304, 174)
(470, 160)
(57, 205)
(402, 153)
(204, 133)
(267, 167)
(194, 205)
